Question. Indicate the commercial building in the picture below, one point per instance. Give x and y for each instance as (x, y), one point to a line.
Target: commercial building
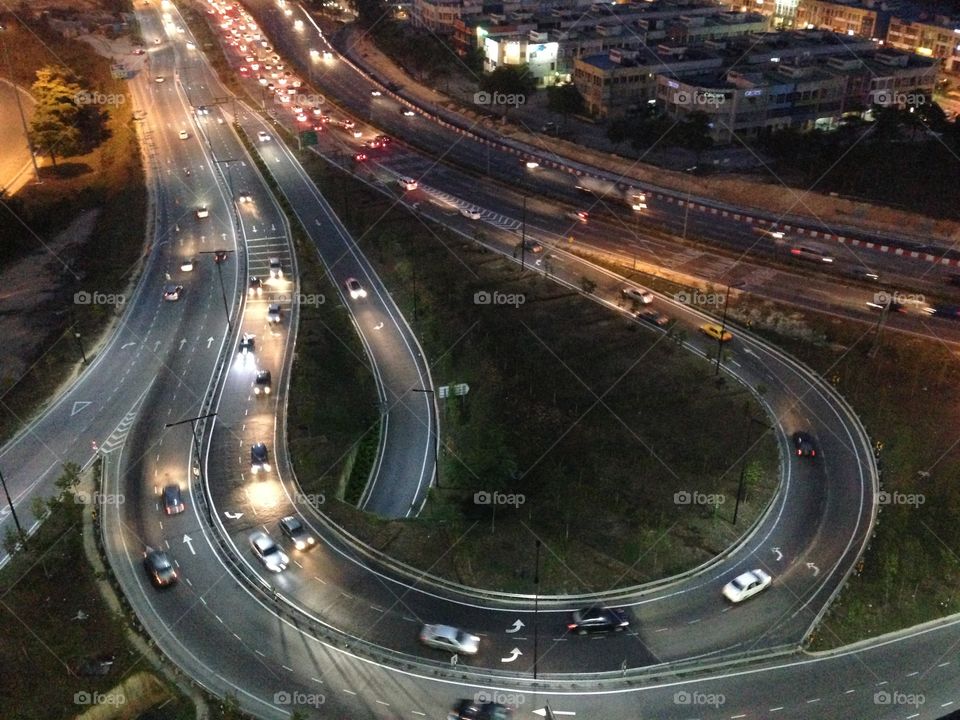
(802, 93)
(936, 37)
(614, 83)
(866, 18)
(552, 43)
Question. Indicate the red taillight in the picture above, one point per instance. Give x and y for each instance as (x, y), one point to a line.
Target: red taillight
(571, 626)
(813, 453)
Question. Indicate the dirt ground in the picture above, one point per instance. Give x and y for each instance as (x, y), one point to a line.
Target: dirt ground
(29, 291)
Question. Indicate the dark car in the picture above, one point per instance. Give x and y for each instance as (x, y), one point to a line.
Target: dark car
(653, 317)
(532, 246)
(255, 286)
(172, 500)
(262, 383)
(946, 311)
(160, 568)
(298, 534)
(248, 344)
(598, 619)
(803, 444)
(219, 255)
(473, 710)
(259, 458)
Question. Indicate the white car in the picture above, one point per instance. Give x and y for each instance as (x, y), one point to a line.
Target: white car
(273, 558)
(375, 93)
(746, 585)
(641, 295)
(263, 136)
(276, 270)
(407, 183)
(408, 113)
(159, 78)
(183, 134)
(273, 313)
(172, 293)
(187, 265)
(470, 213)
(202, 212)
(445, 637)
(355, 289)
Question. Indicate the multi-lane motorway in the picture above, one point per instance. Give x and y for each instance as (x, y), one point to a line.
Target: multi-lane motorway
(337, 630)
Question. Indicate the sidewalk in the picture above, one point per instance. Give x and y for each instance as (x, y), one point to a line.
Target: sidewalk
(766, 196)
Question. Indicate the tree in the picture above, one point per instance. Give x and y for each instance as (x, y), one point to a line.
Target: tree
(54, 129)
(694, 134)
(69, 478)
(565, 99)
(508, 85)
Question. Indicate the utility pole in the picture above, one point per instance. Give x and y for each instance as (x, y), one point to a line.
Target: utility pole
(16, 520)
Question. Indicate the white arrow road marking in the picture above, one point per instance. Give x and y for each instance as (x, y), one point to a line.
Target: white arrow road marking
(517, 624)
(816, 570)
(779, 554)
(233, 516)
(209, 342)
(183, 342)
(378, 326)
(126, 345)
(542, 712)
(156, 346)
(78, 406)
(189, 542)
(514, 654)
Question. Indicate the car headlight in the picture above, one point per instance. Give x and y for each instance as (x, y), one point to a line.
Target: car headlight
(300, 545)
(266, 466)
(266, 391)
(254, 469)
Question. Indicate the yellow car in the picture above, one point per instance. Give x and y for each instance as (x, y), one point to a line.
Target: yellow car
(712, 330)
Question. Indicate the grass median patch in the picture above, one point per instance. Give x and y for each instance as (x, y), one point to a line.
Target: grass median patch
(607, 442)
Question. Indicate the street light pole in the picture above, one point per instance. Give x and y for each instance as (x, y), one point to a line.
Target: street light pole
(536, 607)
(723, 325)
(83, 355)
(196, 446)
(16, 520)
(523, 236)
(223, 292)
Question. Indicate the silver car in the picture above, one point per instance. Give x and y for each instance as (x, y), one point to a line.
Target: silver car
(273, 558)
(445, 637)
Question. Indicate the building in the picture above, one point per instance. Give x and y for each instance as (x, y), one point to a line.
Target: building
(802, 93)
(781, 13)
(937, 37)
(866, 18)
(440, 16)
